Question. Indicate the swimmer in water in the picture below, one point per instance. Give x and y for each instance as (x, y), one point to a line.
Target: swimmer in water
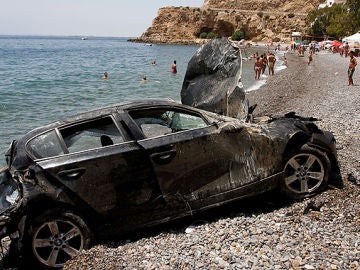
(173, 67)
(105, 75)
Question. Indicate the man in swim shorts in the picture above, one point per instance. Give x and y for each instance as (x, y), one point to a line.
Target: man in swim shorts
(352, 65)
(346, 49)
(310, 55)
(264, 63)
(257, 68)
(271, 63)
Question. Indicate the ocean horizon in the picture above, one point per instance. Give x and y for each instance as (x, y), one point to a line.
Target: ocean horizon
(46, 78)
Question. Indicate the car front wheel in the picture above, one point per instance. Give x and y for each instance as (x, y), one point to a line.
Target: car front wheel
(306, 173)
(53, 238)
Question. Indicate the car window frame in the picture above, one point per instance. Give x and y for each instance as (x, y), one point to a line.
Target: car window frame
(57, 130)
(168, 108)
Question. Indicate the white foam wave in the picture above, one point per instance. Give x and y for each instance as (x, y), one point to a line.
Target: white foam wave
(279, 65)
(256, 85)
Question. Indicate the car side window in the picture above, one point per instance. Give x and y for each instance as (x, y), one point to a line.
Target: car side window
(84, 136)
(45, 145)
(158, 122)
(90, 135)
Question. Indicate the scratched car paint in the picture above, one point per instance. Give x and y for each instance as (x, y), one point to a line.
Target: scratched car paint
(142, 163)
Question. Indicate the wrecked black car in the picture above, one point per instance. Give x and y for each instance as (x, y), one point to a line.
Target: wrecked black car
(142, 163)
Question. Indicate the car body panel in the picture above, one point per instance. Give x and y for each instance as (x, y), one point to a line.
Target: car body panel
(107, 171)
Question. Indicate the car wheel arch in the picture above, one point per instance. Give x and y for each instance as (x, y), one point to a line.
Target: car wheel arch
(301, 140)
(37, 207)
(294, 144)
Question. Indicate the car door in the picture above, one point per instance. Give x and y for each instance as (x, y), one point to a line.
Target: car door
(183, 148)
(94, 162)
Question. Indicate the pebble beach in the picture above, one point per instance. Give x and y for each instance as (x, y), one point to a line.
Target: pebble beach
(322, 232)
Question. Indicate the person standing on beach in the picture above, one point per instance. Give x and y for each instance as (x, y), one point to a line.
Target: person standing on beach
(271, 63)
(352, 65)
(173, 67)
(310, 55)
(346, 49)
(257, 68)
(264, 63)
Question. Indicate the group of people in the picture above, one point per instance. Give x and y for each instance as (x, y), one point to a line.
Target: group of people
(262, 62)
(346, 52)
(352, 63)
(105, 75)
(153, 63)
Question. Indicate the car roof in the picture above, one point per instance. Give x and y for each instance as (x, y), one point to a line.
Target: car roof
(99, 112)
(125, 106)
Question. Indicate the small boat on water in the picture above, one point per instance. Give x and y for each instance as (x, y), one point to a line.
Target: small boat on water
(84, 38)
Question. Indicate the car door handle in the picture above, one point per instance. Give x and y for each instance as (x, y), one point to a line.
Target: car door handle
(71, 174)
(164, 157)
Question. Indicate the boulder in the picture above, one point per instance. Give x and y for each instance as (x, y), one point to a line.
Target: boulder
(213, 79)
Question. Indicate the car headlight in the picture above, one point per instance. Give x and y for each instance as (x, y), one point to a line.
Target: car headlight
(9, 192)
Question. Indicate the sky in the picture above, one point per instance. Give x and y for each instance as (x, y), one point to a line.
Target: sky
(112, 18)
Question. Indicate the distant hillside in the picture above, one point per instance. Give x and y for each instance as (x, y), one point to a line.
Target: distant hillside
(260, 20)
(258, 5)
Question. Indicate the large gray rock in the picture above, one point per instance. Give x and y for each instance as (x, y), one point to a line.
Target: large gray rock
(213, 79)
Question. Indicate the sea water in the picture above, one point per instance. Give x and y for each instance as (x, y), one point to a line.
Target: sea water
(43, 79)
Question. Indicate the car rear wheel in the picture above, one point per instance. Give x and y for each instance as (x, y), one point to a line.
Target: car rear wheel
(306, 173)
(55, 237)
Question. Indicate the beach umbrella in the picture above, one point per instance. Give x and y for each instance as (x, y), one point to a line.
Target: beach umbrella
(336, 43)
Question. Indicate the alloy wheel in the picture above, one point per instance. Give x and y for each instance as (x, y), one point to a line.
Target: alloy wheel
(304, 173)
(57, 241)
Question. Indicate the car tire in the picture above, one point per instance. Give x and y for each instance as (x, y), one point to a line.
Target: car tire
(305, 173)
(55, 237)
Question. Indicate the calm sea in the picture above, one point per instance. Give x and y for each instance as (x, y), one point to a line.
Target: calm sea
(43, 79)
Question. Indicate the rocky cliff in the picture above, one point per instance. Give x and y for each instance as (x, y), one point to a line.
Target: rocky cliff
(259, 20)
